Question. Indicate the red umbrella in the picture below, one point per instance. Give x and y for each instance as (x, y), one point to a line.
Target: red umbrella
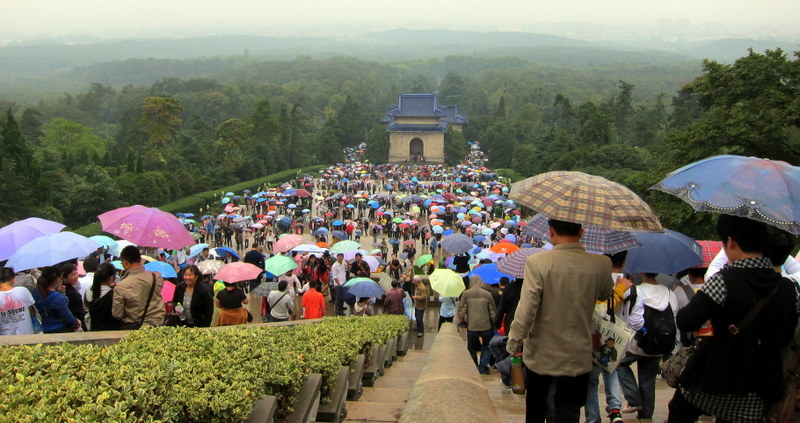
(146, 227)
(710, 250)
(409, 242)
(238, 271)
(302, 193)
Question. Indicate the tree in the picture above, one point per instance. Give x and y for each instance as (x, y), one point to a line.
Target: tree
(160, 120)
(351, 121)
(623, 109)
(452, 89)
(378, 144)
(596, 126)
(524, 160)
(500, 141)
(18, 153)
(455, 147)
(751, 109)
(30, 125)
(71, 139)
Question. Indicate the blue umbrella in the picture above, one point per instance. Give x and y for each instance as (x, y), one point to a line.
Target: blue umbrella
(285, 222)
(489, 273)
(448, 232)
(759, 189)
(104, 241)
(292, 206)
(350, 206)
(165, 269)
(437, 229)
(478, 238)
(364, 289)
(305, 210)
(340, 235)
(51, 249)
(320, 232)
(228, 194)
(457, 244)
(205, 216)
(663, 252)
(338, 223)
(374, 204)
(247, 191)
(196, 249)
(220, 250)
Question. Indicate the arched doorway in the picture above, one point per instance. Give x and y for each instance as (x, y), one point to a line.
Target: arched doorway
(416, 150)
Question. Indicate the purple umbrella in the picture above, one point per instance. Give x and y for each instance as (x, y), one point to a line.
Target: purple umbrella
(146, 227)
(17, 234)
(52, 249)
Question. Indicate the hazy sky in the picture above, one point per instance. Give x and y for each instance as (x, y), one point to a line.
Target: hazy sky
(120, 17)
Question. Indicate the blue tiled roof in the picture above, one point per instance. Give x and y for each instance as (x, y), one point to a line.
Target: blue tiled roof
(417, 128)
(416, 105)
(452, 115)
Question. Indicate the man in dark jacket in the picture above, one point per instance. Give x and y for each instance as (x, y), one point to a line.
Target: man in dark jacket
(736, 374)
(508, 305)
(256, 258)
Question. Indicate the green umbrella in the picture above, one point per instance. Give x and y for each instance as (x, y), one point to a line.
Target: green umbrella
(447, 283)
(423, 260)
(397, 220)
(104, 241)
(354, 281)
(278, 265)
(344, 246)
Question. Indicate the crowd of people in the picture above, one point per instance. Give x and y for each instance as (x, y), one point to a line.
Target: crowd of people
(400, 215)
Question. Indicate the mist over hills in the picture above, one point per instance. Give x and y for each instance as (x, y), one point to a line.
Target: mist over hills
(31, 70)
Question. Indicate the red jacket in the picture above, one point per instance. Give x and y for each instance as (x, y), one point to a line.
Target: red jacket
(313, 304)
(393, 304)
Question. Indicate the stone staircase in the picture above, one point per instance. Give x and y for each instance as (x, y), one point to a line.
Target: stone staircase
(384, 402)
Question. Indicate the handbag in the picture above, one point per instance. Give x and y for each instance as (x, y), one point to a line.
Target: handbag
(672, 368)
(137, 325)
(785, 410)
(609, 338)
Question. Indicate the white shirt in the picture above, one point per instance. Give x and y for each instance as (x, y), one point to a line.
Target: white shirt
(791, 268)
(15, 316)
(655, 296)
(294, 287)
(339, 273)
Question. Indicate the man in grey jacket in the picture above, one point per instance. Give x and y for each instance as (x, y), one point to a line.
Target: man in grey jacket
(477, 307)
(131, 293)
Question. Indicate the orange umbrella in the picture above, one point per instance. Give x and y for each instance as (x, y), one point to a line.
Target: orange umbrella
(322, 244)
(504, 248)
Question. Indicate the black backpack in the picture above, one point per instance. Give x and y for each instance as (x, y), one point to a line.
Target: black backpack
(658, 335)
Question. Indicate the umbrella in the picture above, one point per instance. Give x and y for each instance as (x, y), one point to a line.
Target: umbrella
(759, 189)
(263, 289)
(103, 240)
(287, 242)
(373, 262)
(586, 199)
(504, 248)
(344, 246)
(514, 263)
(120, 245)
(309, 248)
(230, 251)
(339, 235)
(320, 232)
(51, 249)
(167, 291)
(424, 259)
(594, 238)
(409, 242)
(437, 229)
(302, 193)
(457, 243)
(238, 271)
(710, 250)
(447, 283)
(337, 223)
(668, 252)
(490, 273)
(17, 234)
(279, 264)
(364, 289)
(146, 226)
(210, 267)
(197, 249)
(165, 269)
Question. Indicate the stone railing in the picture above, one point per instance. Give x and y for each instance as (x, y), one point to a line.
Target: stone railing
(449, 385)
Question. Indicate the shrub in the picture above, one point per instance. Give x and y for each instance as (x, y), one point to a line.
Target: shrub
(180, 374)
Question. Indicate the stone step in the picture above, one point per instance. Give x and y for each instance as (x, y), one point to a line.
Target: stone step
(360, 411)
(396, 382)
(384, 395)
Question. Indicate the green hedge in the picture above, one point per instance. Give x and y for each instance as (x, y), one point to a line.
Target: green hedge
(182, 375)
(198, 201)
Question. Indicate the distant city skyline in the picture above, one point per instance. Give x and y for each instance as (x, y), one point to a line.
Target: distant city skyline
(583, 19)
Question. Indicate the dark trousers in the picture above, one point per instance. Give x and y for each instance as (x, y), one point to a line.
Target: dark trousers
(682, 411)
(478, 342)
(338, 301)
(570, 396)
(444, 319)
(419, 314)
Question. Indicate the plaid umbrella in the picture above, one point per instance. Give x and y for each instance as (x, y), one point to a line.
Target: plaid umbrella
(710, 250)
(457, 243)
(514, 263)
(594, 238)
(210, 267)
(585, 199)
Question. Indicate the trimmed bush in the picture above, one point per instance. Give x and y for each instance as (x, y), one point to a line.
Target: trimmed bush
(197, 201)
(180, 374)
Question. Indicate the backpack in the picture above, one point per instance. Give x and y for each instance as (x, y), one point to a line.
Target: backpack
(657, 336)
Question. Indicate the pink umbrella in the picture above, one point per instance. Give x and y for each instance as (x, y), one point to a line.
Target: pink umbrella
(146, 227)
(228, 209)
(168, 291)
(238, 271)
(286, 243)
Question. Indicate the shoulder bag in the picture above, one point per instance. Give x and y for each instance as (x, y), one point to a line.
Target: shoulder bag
(672, 367)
